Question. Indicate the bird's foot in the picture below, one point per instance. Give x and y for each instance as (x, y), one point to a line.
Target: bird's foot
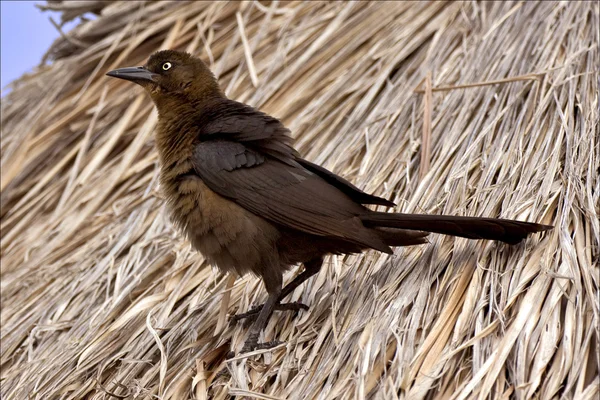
(253, 313)
(252, 344)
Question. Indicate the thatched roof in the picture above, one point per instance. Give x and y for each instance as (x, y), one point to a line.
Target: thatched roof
(101, 297)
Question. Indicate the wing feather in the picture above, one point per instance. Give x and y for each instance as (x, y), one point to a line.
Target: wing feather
(285, 194)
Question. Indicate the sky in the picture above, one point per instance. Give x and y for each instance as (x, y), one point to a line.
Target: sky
(26, 34)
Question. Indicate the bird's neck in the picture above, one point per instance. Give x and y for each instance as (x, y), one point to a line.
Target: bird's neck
(174, 135)
(178, 127)
(184, 102)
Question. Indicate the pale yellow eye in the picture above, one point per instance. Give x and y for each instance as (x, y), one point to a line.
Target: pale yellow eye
(166, 66)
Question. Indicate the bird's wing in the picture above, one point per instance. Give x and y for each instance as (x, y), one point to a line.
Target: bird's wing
(348, 188)
(238, 122)
(241, 123)
(284, 194)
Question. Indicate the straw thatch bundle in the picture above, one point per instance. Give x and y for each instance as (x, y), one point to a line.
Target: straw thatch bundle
(102, 299)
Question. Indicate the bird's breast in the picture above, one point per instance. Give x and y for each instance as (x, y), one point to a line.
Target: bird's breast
(225, 233)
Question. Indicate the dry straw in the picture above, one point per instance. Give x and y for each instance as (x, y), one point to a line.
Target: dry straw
(102, 299)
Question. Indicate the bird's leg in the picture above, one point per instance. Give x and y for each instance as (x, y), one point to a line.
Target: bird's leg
(274, 290)
(310, 268)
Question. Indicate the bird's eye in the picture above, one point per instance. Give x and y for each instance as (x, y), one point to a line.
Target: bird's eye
(166, 66)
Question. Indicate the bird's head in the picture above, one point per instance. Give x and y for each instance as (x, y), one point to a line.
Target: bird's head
(172, 74)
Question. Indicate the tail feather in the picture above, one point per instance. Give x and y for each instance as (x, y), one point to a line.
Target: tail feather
(505, 230)
(401, 237)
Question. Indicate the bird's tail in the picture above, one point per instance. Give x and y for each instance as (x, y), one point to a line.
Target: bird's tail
(505, 230)
(401, 237)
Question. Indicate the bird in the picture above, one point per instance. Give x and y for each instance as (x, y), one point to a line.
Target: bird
(244, 197)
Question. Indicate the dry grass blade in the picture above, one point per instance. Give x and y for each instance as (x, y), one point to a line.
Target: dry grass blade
(426, 136)
(101, 298)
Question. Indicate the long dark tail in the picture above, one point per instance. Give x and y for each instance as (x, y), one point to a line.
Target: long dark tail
(401, 237)
(506, 230)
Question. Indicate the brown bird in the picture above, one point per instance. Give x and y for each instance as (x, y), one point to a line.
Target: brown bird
(249, 203)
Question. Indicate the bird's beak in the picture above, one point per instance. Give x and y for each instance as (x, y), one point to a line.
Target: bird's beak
(134, 74)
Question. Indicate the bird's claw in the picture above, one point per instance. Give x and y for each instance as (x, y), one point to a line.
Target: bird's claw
(253, 313)
(252, 344)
